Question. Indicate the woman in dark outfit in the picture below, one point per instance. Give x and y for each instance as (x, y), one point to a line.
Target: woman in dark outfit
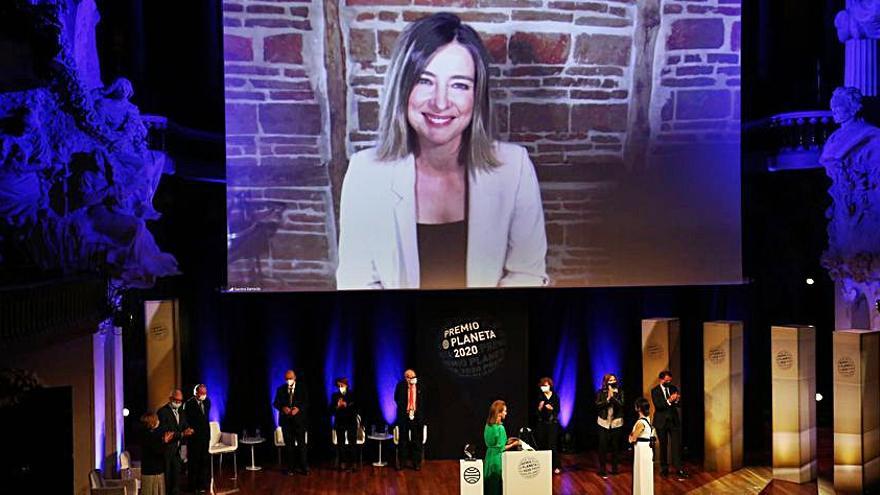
(547, 431)
(609, 412)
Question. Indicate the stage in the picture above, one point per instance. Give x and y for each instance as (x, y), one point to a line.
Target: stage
(441, 478)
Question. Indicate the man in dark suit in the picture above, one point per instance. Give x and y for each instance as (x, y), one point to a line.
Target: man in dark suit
(172, 419)
(343, 407)
(410, 399)
(667, 423)
(292, 403)
(198, 410)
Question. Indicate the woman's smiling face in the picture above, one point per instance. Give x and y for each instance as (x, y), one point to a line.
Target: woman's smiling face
(441, 103)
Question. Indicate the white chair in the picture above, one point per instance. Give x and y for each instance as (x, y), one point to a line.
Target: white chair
(222, 443)
(359, 442)
(98, 485)
(279, 441)
(130, 470)
(396, 439)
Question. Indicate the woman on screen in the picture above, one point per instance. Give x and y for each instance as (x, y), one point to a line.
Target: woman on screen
(438, 203)
(496, 443)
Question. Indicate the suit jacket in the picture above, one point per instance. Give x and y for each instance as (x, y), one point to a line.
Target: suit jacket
(401, 398)
(300, 399)
(153, 451)
(167, 422)
(345, 415)
(197, 419)
(378, 248)
(546, 415)
(665, 415)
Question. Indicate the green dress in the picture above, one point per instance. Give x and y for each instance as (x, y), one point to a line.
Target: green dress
(496, 438)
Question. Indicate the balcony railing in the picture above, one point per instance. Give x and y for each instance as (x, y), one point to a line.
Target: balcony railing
(792, 140)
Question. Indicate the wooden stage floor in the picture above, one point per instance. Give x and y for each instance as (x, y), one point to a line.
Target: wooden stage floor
(441, 478)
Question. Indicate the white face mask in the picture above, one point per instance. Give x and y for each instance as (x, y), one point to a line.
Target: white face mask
(290, 383)
(175, 404)
(545, 388)
(413, 381)
(203, 397)
(342, 390)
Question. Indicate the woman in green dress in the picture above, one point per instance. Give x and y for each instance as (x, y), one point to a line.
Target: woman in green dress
(496, 443)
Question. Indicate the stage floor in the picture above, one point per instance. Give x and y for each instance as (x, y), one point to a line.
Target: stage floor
(441, 478)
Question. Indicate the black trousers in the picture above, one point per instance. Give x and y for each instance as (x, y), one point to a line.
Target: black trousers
(609, 443)
(173, 466)
(346, 452)
(547, 436)
(296, 454)
(412, 449)
(198, 464)
(670, 442)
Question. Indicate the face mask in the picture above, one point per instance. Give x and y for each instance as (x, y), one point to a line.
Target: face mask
(342, 390)
(413, 381)
(203, 397)
(290, 383)
(175, 404)
(545, 388)
(613, 385)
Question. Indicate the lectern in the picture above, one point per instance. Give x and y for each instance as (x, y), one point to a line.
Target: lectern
(527, 471)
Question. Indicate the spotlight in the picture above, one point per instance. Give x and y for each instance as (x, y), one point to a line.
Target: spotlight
(810, 281)
(818, 397)
(125, 412)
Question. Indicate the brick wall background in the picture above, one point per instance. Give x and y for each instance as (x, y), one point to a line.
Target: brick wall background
(565, 80)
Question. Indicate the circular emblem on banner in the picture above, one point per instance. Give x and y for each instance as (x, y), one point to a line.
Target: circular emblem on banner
(784, 360)
(472, 475)
(159, 332)
(654, 349)
(529, 467)
(717, 355)
(846, 366)
(471, 346)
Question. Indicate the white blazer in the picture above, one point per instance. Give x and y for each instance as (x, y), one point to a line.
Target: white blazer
(378, 244)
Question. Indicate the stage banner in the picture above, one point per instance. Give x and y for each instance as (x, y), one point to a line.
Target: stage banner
(723, 395)
(793, 372)
(856, 411)
(660, 351)
(470, 352)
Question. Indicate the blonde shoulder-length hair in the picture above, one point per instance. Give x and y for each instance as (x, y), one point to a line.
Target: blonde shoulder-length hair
(411, 54)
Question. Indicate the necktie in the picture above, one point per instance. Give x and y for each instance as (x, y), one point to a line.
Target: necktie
(176, 416)
(666, 392)
(290, 395)
(411, 398)
(202, 406)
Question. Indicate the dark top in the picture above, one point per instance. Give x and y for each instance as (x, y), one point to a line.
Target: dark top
(152, 451)
(442, 255)
(665, 415)
(615, 402)
(197, 419)
(344, 415)
(546, 414)
(299, 399)
(168, 422)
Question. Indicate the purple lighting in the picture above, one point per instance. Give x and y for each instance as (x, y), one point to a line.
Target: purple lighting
(339, 361)
(565, 373)
(388, 352)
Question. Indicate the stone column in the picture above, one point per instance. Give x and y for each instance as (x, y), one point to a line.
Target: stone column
(860, 63)
(793, 371)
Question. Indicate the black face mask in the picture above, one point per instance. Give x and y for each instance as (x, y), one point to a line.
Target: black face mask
(612, 385)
